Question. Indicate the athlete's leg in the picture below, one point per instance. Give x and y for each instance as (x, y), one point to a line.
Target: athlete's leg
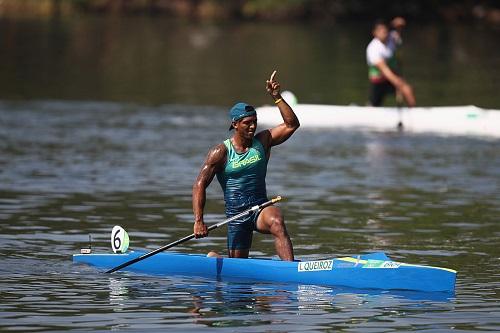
(239, 237)
(243, 253)
(376, 94)
(213, 254)
(271, 221)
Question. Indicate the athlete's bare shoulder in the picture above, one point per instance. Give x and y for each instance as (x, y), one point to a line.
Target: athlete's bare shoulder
(264, 137)
(217, 156)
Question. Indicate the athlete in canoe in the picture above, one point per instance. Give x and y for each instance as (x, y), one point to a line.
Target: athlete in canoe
(382, 69)
(240, 164)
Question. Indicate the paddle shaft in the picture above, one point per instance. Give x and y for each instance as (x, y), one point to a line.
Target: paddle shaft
(184, 239)
(399, 103)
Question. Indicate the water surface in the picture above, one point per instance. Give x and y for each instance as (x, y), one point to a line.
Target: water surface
(70, 169)
(106, 121)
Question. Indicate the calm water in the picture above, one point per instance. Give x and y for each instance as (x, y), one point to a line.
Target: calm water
(69, 169)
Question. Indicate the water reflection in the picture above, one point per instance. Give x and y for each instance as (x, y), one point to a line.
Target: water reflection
(236, 304)
(156, 60)
(118, 294)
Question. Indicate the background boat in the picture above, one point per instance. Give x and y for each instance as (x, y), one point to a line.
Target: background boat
(445, 120)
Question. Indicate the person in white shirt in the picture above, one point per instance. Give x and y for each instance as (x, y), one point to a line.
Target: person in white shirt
(382, 69)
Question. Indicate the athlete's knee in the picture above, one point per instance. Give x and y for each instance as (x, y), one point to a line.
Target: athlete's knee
(278, 227)
(213, 254)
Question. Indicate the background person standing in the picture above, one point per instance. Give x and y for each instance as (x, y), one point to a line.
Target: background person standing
(382, 66)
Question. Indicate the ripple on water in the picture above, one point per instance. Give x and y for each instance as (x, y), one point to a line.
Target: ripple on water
(66, 175)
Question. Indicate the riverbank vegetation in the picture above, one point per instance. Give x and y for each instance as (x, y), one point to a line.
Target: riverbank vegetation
(487, 11)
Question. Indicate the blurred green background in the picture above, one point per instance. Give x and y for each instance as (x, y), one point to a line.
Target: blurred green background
(210, 52)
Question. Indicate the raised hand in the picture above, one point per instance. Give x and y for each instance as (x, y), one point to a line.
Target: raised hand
(272, 86)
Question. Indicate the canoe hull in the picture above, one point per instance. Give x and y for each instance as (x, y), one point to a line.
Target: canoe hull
(372, 271)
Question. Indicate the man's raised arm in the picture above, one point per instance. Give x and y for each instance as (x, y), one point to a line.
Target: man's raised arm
(283, 131)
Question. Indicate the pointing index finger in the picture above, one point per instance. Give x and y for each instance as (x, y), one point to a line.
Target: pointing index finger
(272, 76)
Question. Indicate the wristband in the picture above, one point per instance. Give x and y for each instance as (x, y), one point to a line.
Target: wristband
(278, 100)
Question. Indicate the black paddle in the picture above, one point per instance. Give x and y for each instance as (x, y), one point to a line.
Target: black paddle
(182, 240)
(399, 104)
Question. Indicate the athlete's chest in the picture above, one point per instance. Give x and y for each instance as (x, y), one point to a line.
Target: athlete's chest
(253, 158)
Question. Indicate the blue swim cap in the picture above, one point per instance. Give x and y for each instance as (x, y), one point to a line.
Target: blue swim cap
(240, 110)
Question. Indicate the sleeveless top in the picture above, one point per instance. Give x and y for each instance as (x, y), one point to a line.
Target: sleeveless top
(377, 51)
(243, 179)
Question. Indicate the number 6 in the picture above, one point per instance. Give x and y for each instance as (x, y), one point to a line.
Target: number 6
(119, 240)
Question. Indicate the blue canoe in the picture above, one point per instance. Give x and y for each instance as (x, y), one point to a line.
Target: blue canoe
(369, 271)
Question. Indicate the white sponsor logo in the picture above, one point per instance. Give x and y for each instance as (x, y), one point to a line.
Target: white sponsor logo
(318, 265)
(381, 264)
(391, 264)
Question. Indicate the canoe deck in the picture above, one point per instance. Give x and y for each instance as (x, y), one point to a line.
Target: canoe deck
(369, 271)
